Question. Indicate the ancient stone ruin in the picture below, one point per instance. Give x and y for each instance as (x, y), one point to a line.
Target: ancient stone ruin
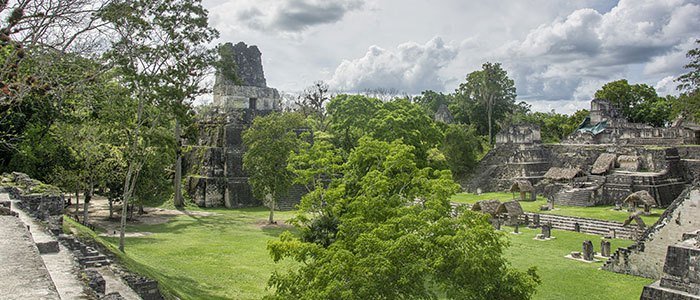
(605, 248)
(610, 163)
(587, 250)
(606, 125)
(681, 272)
(215, 164)
(443, 115)
(646, 257)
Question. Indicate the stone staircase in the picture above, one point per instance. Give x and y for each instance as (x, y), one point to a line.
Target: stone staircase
(590, 226)
(87, 256)
(575, 197)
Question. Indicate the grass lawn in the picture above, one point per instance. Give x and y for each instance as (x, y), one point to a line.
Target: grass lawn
(224, 256)
(596, 212)
(564, 278)
(214, 257)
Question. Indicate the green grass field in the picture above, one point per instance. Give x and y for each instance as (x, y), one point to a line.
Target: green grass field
(224, 256)
(596, 212)
(564, 278)
(214, 257)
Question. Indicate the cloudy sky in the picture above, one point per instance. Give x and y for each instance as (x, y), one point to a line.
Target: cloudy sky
(558, 52)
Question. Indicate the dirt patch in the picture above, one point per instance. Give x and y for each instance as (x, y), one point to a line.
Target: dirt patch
(281, 224)
(99, 216)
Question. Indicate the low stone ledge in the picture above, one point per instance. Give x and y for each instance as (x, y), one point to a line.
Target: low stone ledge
(112, 296)
(47, 247)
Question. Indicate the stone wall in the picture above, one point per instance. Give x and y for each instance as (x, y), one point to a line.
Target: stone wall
(661, 171)
(646, 257)
(41, 201)
(519, 134)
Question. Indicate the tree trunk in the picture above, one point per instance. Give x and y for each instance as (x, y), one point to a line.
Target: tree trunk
(86, 203)
(125, 202)
(489, 112)
(111, 207)
(131, 211)
(271, 203)
(128, 180)
(177, 199)
(77, 200)
(272, 214)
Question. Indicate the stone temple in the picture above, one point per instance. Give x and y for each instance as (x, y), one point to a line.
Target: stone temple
(601, 163)
(215, 164)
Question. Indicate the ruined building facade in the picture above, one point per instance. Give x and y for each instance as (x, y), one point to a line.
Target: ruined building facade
(605, 160)
(215, 164)
(605, 125)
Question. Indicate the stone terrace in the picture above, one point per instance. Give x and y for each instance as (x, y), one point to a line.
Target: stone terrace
(23, 273)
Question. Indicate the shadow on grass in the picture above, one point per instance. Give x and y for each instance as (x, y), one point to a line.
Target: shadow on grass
(186, 288)
(275, 231)
(222, 219)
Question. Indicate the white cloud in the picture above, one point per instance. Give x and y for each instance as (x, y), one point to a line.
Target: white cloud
(671, 62)
(572, 57)
(666, 86)
(554, 50)
(411, 68)
(288, 16)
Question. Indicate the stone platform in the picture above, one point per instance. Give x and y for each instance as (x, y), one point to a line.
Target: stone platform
(22, 270)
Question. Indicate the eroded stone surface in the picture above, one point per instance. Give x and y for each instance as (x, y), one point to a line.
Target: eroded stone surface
(22, 271)
(646, 257)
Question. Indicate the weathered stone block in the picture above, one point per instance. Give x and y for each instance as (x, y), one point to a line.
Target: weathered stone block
(48, 247)
(95, 281)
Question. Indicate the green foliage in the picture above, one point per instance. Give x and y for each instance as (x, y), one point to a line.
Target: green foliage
(365, 238)
(225, 65)
(485, 98)
(349, 118)
(354, 116)
(402, 120)
(430, 101)
(688, 104)
(554, 127)
(690, 82)
(639, 103)
(463, 148)
(314, 163)
(269, 141)
(577, 118)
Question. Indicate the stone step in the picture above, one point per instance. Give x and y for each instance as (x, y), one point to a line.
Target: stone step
(96, 264)
(591, 226)
(587, 224)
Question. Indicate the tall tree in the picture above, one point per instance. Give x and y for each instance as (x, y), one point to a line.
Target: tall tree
(401, 119)
(488, 90)
(349, 116)
(463, 148)
(159, 56)
(311, 102)
(431, 101)
(639, 103)
(369, 239)
(688, 104)
(269, 141)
